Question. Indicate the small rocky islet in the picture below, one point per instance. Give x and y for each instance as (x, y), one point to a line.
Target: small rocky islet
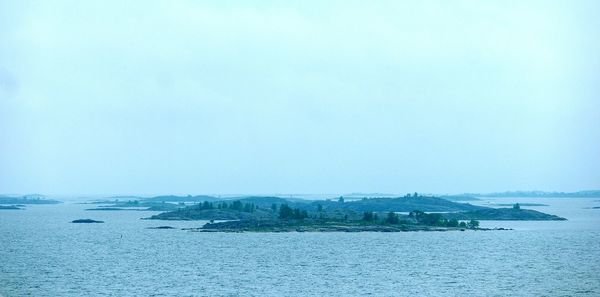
(86, 221)
(9, 207)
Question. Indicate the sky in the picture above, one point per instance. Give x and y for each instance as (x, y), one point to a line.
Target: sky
(255, 97)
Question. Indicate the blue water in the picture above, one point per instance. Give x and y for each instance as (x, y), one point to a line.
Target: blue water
(42, 254)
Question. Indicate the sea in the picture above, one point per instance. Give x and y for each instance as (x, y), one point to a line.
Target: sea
(43, 254)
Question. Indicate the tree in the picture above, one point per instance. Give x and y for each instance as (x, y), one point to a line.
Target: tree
(319, 207)
(304, 214)
(285, 212)
(432, 219)
(368, 216)
(274, 207)
(452, 223)
(236, 205)
(516, 206)
(462, 225)
(248, 207)
(392, 218)
(416, 214)
(473, 224)
(341, 200)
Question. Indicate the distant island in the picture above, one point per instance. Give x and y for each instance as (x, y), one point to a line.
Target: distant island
(9, 207)
(283, 218)
(263, 206)
(542, 194)
(26, 199)
(399, 204)
(274, 214)
(139, 205)
(411, 212)
(86, 221)
(521, 204)
(504, 214)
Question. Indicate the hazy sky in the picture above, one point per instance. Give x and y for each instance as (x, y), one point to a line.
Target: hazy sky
(155, 97)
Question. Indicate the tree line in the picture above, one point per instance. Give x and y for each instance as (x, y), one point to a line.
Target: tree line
(235, 205)
(420, 217)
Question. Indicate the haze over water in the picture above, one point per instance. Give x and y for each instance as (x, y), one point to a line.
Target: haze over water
(184, 98)
(220, 97)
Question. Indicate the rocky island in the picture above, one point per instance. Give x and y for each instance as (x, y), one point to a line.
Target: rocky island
(516, 213)
(157, 203)
(274, 214)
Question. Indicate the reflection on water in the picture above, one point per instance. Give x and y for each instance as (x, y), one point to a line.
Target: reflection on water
(44, 255)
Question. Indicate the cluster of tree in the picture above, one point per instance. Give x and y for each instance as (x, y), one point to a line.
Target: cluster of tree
(472, 224)
(370, 216)
(235, 205)
(429, 219)
(436, 219)
(286, 213)
(392, 218)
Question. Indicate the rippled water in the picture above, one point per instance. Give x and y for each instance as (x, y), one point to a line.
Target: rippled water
(41, 254)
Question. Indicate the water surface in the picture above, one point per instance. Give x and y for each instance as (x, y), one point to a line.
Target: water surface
(45, 255)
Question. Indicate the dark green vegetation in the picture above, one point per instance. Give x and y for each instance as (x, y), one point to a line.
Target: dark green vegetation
(264, 207)
(400, 204)
(311, 225)
(373, 211)
(288, 219)
(235, 210)
(86, 221)
(27, 199)
(246, 215)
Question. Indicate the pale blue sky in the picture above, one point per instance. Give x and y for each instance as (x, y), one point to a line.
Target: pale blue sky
(155, 97)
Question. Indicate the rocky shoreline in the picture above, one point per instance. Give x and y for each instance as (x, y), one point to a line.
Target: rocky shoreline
(299, 226)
